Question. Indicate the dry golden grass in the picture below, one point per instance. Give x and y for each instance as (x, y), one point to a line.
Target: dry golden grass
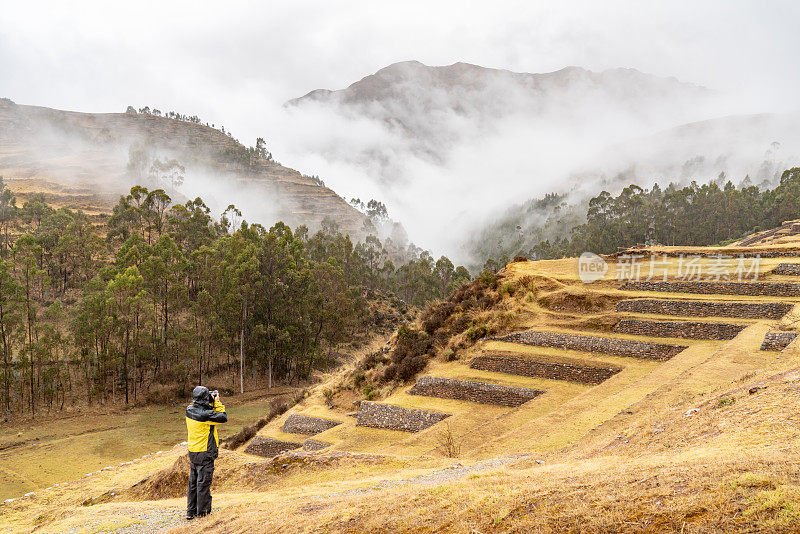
(680, 445)
(730, 466)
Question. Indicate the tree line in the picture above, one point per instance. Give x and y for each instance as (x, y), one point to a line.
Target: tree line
(697, 214)
(159, 295)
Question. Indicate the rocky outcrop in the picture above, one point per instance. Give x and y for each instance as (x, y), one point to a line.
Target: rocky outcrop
(388, 416)
(606, 345)
(480, 392)
(543, 369)
(706, 308)
(679, 329)
(304, 424)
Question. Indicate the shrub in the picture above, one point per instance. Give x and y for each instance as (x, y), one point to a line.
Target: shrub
(508, 288)
(488, 278)
(390, 372)
(411, 343)
(477, 331)
(448, 443)
(372, 360)
(410, 366)
(725, 401)
(359, 378)
(461, 323)
(435, 314)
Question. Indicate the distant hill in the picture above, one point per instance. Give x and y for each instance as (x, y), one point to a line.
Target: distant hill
(743, 149)
(436, 106)
(81, 160)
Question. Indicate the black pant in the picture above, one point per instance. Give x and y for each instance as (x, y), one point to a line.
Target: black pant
(198, 497)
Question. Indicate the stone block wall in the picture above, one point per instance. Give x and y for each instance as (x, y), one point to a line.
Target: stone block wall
(269, 447)
(605, 345)
(448, 388)
(777, 340)
(393, 417)
(792, 269)
(680, 329)
(304, 424)
(706, 308)
(314, 445)
(712, 255)
(543, 369)
(770, 289)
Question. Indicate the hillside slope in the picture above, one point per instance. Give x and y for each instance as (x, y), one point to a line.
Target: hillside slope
(434, 108)
(544, 403)
(81, 160)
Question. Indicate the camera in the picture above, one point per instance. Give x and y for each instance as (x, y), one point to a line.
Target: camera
(214, 394)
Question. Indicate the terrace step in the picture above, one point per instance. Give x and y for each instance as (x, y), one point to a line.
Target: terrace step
(710, 255)
(314, 445)
(573, 372)
(304, 424)
(269, 447)
(777, 340)
(706, 308)
(467, 390)
(761, 289)
(606, 345)
(679, 329)
(391, 417)
(791, 269)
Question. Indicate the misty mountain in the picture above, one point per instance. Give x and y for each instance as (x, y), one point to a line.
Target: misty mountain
(86, 160)
(743, 149)
(434, 108)
(499, 141)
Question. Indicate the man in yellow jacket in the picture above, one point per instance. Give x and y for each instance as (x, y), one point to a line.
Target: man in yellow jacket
(202, 418)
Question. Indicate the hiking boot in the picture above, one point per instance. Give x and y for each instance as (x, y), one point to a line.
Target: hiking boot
(189, 517)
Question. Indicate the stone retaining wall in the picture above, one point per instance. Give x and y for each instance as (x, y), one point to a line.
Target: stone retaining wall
(304, 424)
(771, 289)
(777, 340)
(680, 329)
(541, 369)
(269, 447)
(314, 445)
(688, 255)
(706, 308)
(448, 388)
(792, 269)
(605, 345)
(393, 417)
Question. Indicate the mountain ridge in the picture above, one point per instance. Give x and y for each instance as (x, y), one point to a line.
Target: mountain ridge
(461, 69)
(88, 151)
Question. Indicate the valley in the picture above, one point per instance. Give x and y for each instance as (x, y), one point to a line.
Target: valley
(559, 415)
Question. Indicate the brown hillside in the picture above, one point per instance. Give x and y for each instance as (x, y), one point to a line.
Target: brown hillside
(79, 160)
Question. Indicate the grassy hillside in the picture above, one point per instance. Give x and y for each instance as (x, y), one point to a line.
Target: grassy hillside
(38, 454)
(81, 160)
(702, 439)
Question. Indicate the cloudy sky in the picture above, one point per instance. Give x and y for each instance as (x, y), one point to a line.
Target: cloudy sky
(227, 61)
(234, 63)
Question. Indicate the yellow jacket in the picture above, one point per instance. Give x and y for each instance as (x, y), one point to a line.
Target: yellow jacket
(201, 423)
